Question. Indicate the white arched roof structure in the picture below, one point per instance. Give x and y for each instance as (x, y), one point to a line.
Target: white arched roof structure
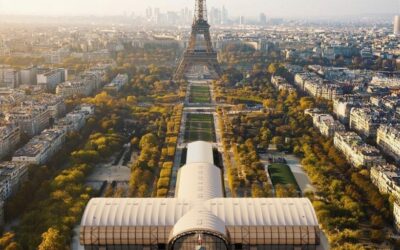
(199, 205)
(199, 218)
(200, 152)
(199, 181)
(231, 211)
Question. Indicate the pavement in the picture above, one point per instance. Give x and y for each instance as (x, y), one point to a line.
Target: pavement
(196, 108)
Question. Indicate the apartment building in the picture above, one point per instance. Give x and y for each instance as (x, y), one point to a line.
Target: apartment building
(327, 125)
(75, 88)
(358, 153)
(117, 83)
(388, 139)
(366, 120)
(386, 178)
(10, 137)
(11, 175)
(51, 78)
(31, 118)
(40, 148)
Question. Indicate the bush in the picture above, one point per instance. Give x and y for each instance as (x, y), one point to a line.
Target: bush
(165, 173)
(163, 183)
(162, 192)
(377, 236)
(168, 165)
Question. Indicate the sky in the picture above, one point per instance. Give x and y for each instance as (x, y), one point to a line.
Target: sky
(273, 8)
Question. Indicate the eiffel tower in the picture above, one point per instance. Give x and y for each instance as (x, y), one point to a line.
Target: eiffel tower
(195, 54)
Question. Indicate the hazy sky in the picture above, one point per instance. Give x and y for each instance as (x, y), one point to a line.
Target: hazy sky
(237, 7)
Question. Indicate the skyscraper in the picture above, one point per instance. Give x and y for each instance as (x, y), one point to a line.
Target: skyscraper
(396, 29)
(215, 16)
(263, 19)
(224, 18)
(149, 13)
(241, 20)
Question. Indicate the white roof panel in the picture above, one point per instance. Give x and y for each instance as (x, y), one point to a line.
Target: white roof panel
(200, 152)
(167, 212)
(199, 181)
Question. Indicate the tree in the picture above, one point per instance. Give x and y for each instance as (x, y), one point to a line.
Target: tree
(13, 246)
(7, 242)
(6, 239)
(273, 67)
(148, 140)
(52, 240)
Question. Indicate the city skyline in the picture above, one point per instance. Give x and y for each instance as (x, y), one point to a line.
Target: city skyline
(272, 8)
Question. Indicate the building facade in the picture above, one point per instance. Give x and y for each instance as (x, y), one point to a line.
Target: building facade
(388, 138)
(40, 148)
(117, 83)
(326, 125)
(31, 118)
(396, 26)
(29, 76)
(358, 153)
(366, 120)
(75, 88)
(387, 179)
(10, 137)
(11, 175)
(50, 79)
(199, 217)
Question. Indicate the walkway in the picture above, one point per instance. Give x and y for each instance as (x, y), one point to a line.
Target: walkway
(295, 166)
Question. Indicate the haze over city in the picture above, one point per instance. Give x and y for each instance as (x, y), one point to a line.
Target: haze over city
(274, 8)
(199, 124)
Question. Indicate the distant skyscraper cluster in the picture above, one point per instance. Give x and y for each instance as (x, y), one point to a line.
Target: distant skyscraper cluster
(218, 16)
(154, 15)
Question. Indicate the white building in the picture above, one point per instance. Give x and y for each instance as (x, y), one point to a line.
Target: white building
(54, 103)
(366, 120)
(11, 175)
(342, 106)
(387, 179)
(396, 26)
(9, 77)
(28, 75)
(396, 215)
(326, 125)
(40, 148)
(50, 79)
(358, 153)
(10, 136)
(117, 83)
(388, 138)
(73, 121)
(199, 215)
(76, 88)
(31, 118)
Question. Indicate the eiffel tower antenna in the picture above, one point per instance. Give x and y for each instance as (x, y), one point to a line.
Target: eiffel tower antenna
(199, 56)
(200, 11)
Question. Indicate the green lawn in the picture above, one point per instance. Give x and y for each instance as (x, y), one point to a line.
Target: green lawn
(281, 174)
(200, 94)
(200, 127)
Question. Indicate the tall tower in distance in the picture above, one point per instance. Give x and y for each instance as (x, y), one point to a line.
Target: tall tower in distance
(396, 29)
(200, 50)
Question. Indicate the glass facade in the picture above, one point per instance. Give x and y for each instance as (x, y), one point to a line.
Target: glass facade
(199, 241)
(253, 238)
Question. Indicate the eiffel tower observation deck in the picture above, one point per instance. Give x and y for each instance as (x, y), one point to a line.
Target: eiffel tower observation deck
(200, 51)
